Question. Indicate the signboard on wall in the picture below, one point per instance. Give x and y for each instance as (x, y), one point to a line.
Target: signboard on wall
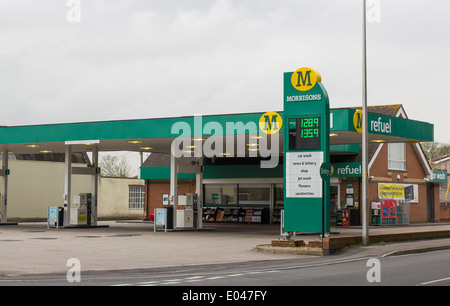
(439, 176)
(399, 192)
(165, 199)
(346, 169)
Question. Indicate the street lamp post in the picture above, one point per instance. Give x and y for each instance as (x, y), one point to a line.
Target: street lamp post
(364, 197)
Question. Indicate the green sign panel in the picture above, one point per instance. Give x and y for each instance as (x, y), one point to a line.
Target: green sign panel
(325, 171)
(346, 170)
(439, 176)
(393, 126)
(306, 152)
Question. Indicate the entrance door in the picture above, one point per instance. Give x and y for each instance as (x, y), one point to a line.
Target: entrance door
(334, 203)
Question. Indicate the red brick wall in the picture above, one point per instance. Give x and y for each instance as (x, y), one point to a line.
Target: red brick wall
(414, 174)
(418, 211)
(444, 213)
(155, 189)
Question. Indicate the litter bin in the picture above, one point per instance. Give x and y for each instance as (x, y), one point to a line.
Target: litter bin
(354, 217)
(169, 214)
(60, 216)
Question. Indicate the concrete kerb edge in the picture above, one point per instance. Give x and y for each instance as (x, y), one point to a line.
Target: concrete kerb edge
(267, 248)
(332, 246)
(416, 251)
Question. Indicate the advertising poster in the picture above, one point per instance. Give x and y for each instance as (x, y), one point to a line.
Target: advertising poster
(388, 209)
(160, 216)
(53, 214)
(165, 199)
(399, 192)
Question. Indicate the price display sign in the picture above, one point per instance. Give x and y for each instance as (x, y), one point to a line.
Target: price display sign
(306, 149)
(304, 134)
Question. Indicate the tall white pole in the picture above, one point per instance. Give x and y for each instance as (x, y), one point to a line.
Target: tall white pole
(364, 197)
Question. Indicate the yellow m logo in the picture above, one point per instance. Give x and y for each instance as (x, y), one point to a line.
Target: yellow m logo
(357, 121)
(270, 123)
(305, 79)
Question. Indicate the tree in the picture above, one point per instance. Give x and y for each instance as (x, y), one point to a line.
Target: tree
(112, 166)
(435, 149)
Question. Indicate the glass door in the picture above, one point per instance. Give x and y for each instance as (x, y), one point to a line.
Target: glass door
(334, 203)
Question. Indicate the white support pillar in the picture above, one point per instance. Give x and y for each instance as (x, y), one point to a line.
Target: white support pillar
(173, 188)
(94, 187)
(67, 184)
(4, 199)
(199, 191)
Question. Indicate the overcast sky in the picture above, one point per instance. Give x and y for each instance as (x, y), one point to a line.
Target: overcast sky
(134, 59)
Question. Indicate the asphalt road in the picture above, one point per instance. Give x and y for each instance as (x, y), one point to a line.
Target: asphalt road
(423, 269)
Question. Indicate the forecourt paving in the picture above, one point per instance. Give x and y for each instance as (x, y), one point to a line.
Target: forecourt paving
(31, 248)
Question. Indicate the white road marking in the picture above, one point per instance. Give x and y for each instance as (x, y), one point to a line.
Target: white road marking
(436, 281)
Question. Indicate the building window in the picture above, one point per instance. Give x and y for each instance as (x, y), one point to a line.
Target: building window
(397, 156)
(220, 195)
(254, 194)
(136, 197)
(234, 195)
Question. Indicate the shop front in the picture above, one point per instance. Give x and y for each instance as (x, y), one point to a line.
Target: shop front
(239, 203)
(238, 190)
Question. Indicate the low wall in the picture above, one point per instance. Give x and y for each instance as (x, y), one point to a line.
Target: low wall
(333, 244)
(444, 213)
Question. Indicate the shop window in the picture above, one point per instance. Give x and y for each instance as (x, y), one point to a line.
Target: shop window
(254, 194)
(279, 203)
(279, 195)
(220, 195)
(136, 197)
(397, 156)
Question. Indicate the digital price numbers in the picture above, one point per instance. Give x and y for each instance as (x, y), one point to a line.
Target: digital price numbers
(304, 134)
(310, 127)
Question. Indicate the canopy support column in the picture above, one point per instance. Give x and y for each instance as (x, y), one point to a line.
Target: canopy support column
(199, 191)
(4, 198)
(173, 188)
(67, 184)
(94, 186)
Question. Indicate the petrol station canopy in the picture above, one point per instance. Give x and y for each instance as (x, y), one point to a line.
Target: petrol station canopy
(156, 135)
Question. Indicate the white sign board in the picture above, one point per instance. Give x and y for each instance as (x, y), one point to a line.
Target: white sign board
(303, 174)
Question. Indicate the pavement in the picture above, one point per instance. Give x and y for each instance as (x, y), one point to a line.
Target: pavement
(31, 248)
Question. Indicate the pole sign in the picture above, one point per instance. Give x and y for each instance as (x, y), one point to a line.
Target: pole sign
(306, 149)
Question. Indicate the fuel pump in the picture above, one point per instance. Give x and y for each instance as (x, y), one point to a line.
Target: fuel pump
(185, 212)
(196, 210)
(81, 209)
(78, 210)
(89, 208)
